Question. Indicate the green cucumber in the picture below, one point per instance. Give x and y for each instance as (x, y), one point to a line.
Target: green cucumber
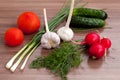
(91, 13)
(83, 22)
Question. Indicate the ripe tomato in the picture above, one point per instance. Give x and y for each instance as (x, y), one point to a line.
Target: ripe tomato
(13, 37)
(28, 22)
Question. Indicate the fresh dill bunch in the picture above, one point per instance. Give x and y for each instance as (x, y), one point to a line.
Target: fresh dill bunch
(60, 60)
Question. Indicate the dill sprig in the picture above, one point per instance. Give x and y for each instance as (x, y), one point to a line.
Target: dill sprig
(60, 60)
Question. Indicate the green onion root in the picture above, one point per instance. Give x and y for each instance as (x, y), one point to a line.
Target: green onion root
(10, 63)
(13, 68)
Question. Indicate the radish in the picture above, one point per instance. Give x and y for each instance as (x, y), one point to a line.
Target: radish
(106, 42)
(97, 47)
(97, 50)
(92, 38)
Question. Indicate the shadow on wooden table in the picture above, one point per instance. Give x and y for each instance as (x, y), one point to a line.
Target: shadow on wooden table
(94, 64)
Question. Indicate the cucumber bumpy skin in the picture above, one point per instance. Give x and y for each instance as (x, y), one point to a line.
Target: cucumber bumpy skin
(91, 13)
(83, 22)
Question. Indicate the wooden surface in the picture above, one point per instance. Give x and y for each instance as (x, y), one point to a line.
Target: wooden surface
(89, 69)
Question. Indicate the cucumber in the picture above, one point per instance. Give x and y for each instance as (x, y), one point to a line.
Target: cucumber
(91, 13)
(83, 22)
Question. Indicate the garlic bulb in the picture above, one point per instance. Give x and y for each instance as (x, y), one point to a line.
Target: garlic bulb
(65, 32)
(49, 39)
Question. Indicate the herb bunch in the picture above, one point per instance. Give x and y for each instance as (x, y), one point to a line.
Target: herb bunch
(60, 60)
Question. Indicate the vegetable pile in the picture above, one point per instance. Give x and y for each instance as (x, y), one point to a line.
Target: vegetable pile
(66, 54)
(29, 48)
(28, 23)
(97, 47)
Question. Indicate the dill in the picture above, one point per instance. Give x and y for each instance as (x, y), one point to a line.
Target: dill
(60, 60)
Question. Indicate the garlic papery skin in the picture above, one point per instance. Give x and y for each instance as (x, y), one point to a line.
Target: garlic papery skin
(49, 39)
(66, 33)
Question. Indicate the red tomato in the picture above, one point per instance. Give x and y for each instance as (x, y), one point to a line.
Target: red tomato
(13, 37)
(28, 22)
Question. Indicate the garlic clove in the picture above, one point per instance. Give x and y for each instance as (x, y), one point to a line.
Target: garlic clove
(65, 33)
(50, 40)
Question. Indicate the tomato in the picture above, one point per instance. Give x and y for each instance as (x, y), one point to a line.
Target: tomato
(13, 37)
(28, 22)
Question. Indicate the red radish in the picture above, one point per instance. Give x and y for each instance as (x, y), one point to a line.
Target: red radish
(97, 50)
(28, 22)
(13, 37)
(92, 38)
(106, 42)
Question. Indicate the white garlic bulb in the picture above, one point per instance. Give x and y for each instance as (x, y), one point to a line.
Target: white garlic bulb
(65, 32)
(49, 39)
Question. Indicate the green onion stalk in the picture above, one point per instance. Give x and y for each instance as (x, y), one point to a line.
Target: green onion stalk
(30, 47)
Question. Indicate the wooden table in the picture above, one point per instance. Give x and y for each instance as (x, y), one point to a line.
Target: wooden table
(89, 69)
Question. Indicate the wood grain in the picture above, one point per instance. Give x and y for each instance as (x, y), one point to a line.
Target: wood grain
(89, 69)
